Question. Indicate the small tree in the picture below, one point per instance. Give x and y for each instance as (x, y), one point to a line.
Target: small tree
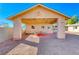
(73, 20)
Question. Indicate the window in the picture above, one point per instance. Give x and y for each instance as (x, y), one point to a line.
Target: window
(42, 27)
(48, 27)
(75, 27)
(55, 26)
(33, 27)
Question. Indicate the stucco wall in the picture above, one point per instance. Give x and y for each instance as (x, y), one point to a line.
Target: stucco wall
(38, 28)
(72, 29)
(41, 13)
(5, 34)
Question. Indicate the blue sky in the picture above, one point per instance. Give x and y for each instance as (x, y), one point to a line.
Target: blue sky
(10, 9)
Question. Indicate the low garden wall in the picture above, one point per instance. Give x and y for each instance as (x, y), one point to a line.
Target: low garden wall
(5, 34)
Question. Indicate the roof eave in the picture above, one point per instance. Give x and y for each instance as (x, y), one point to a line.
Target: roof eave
(13, 17)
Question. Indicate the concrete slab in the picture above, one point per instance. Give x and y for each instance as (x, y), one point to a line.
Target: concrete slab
(50, 45)
(33, 38)
(23, 49)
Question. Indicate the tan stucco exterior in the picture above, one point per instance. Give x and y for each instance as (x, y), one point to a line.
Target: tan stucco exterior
(36, 10)
(39, 15)
(73, 28)
(48, 28)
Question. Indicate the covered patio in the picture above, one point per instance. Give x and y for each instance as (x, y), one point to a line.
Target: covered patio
(39, 16)
(38, 19)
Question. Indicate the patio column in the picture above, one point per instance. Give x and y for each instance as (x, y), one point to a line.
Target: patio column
(17, 30)
(61, 28)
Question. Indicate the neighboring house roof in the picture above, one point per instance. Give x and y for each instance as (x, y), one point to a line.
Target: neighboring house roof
(21, 13)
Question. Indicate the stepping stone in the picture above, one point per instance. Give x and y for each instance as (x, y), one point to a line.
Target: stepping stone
(33, 38)
(23, 49)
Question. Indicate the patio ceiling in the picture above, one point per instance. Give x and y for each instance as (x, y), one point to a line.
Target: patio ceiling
(39, 20)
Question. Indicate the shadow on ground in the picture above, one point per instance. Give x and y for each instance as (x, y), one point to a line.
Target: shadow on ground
(8, 45)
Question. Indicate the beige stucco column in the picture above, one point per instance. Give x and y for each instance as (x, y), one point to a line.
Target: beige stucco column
(17, 30)
(61, 29)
